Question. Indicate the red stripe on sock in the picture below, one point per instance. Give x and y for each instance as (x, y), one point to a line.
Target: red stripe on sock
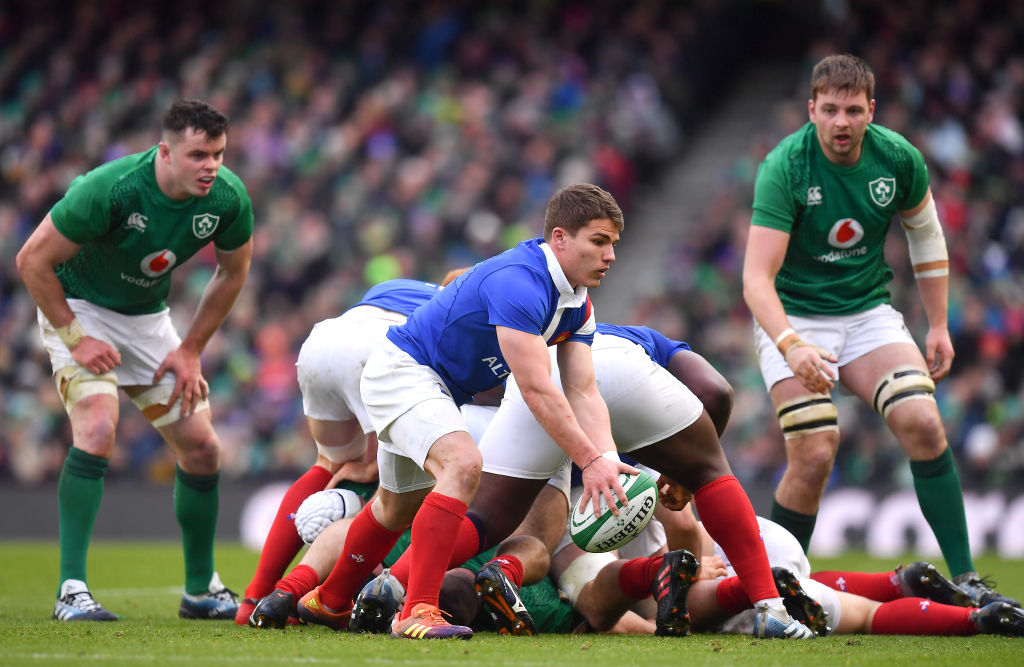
(729, 518)
(282, 541)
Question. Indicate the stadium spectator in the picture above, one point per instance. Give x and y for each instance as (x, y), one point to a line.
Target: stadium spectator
(140, 216)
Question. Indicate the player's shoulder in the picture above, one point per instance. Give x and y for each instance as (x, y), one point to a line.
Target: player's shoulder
(230, 181)
(792, 145)
(891, 147)
(118, 170)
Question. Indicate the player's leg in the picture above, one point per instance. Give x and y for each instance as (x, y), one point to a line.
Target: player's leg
(892, 379)
(93, 410)
(708, 385)
(809, 424)
(196, 503)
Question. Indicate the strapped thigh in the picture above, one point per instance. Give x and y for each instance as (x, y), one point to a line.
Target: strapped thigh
(807, 414)
(903, 383)
(77, 382)
(153, 404)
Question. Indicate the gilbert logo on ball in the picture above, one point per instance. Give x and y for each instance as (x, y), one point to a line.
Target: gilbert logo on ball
(605, 531)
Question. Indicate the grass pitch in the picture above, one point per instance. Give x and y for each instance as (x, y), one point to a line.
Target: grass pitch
(142, 582)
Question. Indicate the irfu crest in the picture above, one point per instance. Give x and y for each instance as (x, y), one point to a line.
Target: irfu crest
(203, 225)
(882, 190)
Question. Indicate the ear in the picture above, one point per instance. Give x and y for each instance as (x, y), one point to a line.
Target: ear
(871, 111)
(558, 238)
(163, 150)
(810, 109)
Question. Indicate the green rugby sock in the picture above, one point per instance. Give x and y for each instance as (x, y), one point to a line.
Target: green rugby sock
(196, 500)
(79, 493)
(942, 503)
(801, 525)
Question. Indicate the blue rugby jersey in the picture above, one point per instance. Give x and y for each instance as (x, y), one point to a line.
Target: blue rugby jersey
(658, 346)
(400, 295)
(523, 288)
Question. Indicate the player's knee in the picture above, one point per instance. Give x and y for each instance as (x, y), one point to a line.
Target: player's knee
(808, 415)
(201, 455)
(94, 431)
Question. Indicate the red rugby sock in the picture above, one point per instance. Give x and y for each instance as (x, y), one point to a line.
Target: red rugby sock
(881, 586)
(434, 533)
(282, 541)
(732, 597)
(917, 616)
(301, 580)
(366, 545)
(467, 545)
(636, 578)
(729, 518)
(512, 567)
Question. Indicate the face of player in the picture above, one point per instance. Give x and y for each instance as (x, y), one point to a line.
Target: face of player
(586, 257)
(190, 163)
(841, 119)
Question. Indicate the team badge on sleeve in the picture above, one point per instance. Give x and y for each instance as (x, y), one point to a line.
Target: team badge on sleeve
(203, 225)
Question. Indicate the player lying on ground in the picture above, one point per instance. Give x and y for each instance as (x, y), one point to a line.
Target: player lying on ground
(655, 419)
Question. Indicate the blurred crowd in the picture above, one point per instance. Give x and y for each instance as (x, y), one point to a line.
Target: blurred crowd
(401, 139)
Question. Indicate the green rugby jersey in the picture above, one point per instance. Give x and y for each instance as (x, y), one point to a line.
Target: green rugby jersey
(133, 236)
(837, 218)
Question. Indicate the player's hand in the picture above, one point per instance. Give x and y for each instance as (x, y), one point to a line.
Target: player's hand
(672, 495)
(808, 365)
(189, 383)
(711, 567)
(364, 472)
(601, 480)
(938, 353)
(96, 355)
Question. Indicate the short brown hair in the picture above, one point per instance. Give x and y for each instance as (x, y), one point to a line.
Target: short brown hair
(843, 72)
(196, 114)
(572, 207)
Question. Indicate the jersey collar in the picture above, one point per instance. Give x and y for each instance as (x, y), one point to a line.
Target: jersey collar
(567, 296)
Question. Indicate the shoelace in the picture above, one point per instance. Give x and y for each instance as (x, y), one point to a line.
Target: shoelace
(433, 616)
(225, 594)
(84, 601)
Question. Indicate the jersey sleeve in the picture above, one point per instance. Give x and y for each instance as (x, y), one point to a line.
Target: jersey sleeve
(918, 179)
(585, 332)
(773, 204)
(84, 212)
(240, 229)
(516, 297)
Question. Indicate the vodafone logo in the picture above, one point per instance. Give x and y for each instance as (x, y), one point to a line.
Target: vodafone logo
(158, 263)
(845, 233)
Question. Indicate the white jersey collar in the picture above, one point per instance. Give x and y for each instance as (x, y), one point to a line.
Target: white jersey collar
(567, 296)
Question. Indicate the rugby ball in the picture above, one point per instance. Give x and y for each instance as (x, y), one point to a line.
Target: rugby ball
(323, 508)
(602, 532)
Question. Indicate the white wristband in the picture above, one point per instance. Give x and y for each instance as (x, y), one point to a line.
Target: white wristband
(782, 336)
(71, 334)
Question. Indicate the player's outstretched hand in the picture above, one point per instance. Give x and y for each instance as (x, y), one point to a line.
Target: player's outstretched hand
(808, 364)
(601, 479)
(96, 355)
(189, 383)
(938, 353)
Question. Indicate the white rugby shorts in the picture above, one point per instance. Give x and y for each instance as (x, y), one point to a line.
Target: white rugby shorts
(849, 337)
(646, 404)
(144, 341)
(410, 408)
(331, 362)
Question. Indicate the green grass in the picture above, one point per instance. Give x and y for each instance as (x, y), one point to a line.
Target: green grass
(142, 581)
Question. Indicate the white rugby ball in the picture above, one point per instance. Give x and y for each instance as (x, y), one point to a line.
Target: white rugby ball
(323, 508)
(605, 531)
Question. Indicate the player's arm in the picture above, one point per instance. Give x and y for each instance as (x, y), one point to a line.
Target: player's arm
(766, 250)
(44, 250)
(528, 359)
(214, 306)
(930, 258)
